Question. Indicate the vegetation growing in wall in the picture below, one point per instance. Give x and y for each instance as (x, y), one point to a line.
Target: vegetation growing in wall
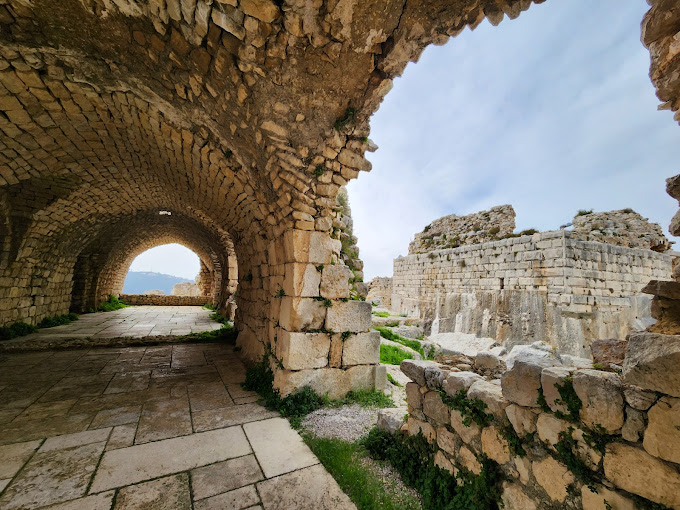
(58, 320)
(407, 342)
(413, 458)
(472, 409)
(112, 304)
(347, 119)
(570, 399)
(584, 212)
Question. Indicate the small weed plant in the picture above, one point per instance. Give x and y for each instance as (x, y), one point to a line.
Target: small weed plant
(111, 305)
(393, 355)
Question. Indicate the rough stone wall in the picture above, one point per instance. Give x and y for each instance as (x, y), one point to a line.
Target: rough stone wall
(623, 432)
(621, 228)
(547, 286)
(156, 300)
(453, 231)
(380, 291)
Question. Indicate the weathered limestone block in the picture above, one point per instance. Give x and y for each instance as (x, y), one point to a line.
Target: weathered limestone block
(391, 419)
(638, 398)
(652, 362)
(554, 477)
(264, 10)
(301, 280)
(298, 351)
(602, 397)
(309, 247)
(514, 498)
(434, 408)
(349, 316)
(494, 446)
(417, 426)
(322, 381)
(335, 356)
(596, 500)
(634, 470)
(361, 349)
(415, 369)
(301, 313)
(549, 428)
(459, 381)
(523, 420)
(491, 394)
(442, 462)
(467, 433)
(662, 437)
(523, 467)
(335, 282)
(446, 440)
(468, 460)
(487, 361)
(434, 377)
(521, 383)
(413, 395)
(550, 377)
(635, 425)
(366, 377)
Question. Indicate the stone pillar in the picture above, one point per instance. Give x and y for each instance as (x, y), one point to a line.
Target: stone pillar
(317, 336)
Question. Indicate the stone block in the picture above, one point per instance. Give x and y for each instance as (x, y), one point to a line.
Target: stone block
(349, 316)
(264, 10)
(635, 471)
(491, 394)
(662, 437)
(550, 377)
(380, 377)
(487, 361)
(468, 460)
(361, 349)
(413, 395)
(549, 428)
(434, 377)
(494, 446)
(434, 408)
(638, 398)
(301, 280)
(298, 351)
(335, 282)
(514, 498)
(602, 397)
(301, 313)
(459, 381)
(391, 419)
(416, 426)
(554, 477)
(605, 499)
(467, 433)
(634, 426)
(652, 362)
(523, 420)
(521, 383)
(415, 370)
(309, 246)
(446, 440)
(323, 380)
(441, 461)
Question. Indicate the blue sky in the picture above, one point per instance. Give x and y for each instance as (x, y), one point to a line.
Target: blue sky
(551, 112)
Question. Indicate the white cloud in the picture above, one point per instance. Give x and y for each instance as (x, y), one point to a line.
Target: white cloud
(552, 112)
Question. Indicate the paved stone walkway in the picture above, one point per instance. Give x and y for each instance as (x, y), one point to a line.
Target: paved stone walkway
(165, 427)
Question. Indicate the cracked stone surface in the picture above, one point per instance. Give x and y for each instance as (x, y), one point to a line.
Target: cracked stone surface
(139, 446)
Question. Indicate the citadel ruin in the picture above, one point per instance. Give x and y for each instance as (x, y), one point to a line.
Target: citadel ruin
(232, 127)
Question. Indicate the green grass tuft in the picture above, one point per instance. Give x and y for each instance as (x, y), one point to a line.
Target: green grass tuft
(394, 381)
(393, 355)
(111, 305)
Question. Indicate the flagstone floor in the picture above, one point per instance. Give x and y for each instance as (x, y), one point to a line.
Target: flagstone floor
(165, 427)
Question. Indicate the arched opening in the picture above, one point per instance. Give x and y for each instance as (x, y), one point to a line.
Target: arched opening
(168, 269)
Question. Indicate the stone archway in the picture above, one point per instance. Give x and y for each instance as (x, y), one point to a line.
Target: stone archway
(244, 117)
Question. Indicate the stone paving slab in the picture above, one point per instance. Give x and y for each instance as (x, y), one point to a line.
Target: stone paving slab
(190, 438)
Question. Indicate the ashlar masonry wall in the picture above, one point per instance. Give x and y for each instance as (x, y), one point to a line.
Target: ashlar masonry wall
(547, 286)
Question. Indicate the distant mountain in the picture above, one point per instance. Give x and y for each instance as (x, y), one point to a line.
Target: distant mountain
(138, 282)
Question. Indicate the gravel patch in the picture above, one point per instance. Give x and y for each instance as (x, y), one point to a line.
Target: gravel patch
(391, 479)
(348, 423)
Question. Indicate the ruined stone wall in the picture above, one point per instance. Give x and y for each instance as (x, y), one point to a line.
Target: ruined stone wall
(453, 231)
(548, 286)
(617, 445)
(147, 299)
(380, 291)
